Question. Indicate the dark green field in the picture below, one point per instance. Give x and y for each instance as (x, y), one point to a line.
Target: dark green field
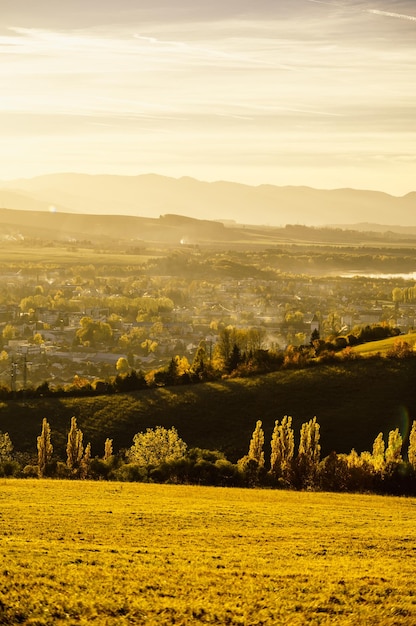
(353, 401)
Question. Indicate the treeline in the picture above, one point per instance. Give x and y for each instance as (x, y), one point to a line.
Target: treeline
(364, 334)
(237, 354)
(404, 294)
(160, 455)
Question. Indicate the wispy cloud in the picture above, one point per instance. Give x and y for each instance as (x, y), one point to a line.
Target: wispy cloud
(215, 87)
(401, 16)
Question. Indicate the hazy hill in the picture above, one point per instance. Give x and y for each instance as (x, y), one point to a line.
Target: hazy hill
(151, 195)
(65, 226)
(17, 224)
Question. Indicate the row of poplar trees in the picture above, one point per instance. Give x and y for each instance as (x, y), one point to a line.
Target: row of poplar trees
(306, 469)
(78, 458)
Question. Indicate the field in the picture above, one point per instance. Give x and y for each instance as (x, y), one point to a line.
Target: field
(60, 255)
(383, 345)
(111, 553)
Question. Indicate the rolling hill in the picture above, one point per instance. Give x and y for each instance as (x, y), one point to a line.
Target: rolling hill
(353, 401)
(68, 226)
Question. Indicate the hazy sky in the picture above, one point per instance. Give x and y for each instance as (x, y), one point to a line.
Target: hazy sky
(293, 92)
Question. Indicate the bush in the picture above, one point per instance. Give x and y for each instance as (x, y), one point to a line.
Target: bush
(252, 473)
(100, 469)
(31, 471)
(228, 474)
(62, 470)
(130, 473)
(178, 471)
(9, 468)
(333, 473)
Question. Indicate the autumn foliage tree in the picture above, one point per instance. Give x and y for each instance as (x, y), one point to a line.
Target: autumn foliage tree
(309, 453)
(411, 454)
(256, 451)
(45, 448)
(78, 460)
(74, 447)
(394, 448)
(378, 455)
(282, 449)
(108, 449)
(157, 446)
(85, 465)
(252, 464)
(6, 447)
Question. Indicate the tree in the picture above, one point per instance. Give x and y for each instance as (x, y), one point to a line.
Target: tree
(333, 473)
(6, 447)
(394, 448)
(397, 295)
(200, 360)
(91, 331)
(122, 365)
(309, 452)
(157, 446)
(9, 332)
(108, 449)
(256, 445)
(45, 448)
(314, 336)
(85, 464)
(283, 446)
(74, 448)
(400, 349)
(37, 339)
(378, 456)
(412, 446)
(234, 359)
(225, 343)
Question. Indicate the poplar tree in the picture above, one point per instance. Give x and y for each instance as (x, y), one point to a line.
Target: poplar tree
(85, 464)
(6, 447)
(108, 449)
(394, 447)
(74, 447)
(412, 446)
(378, 456)
(45, 448)
(256, 445)
(282, 448)
(309, 451)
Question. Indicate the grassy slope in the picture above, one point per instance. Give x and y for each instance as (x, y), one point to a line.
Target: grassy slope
(383, 345)
(117, 554)
(352, 401)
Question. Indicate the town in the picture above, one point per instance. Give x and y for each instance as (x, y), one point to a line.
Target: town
(64, 318)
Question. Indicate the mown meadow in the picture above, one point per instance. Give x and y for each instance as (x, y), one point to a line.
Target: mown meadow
(122, 553)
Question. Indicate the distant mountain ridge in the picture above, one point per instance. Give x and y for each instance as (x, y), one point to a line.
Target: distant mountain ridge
(152, 195)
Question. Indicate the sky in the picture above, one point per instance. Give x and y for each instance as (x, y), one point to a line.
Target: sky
(289, 92)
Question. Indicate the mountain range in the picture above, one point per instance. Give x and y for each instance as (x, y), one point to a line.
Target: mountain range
(152, 195)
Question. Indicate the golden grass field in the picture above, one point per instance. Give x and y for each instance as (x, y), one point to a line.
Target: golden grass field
(120, 553)
(384, 345)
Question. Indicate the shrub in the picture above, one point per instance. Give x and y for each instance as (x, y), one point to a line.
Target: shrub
(9, 469)
(31, 471)
(130, 472)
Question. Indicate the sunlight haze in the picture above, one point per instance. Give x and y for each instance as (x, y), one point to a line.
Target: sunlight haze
(293, 93)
